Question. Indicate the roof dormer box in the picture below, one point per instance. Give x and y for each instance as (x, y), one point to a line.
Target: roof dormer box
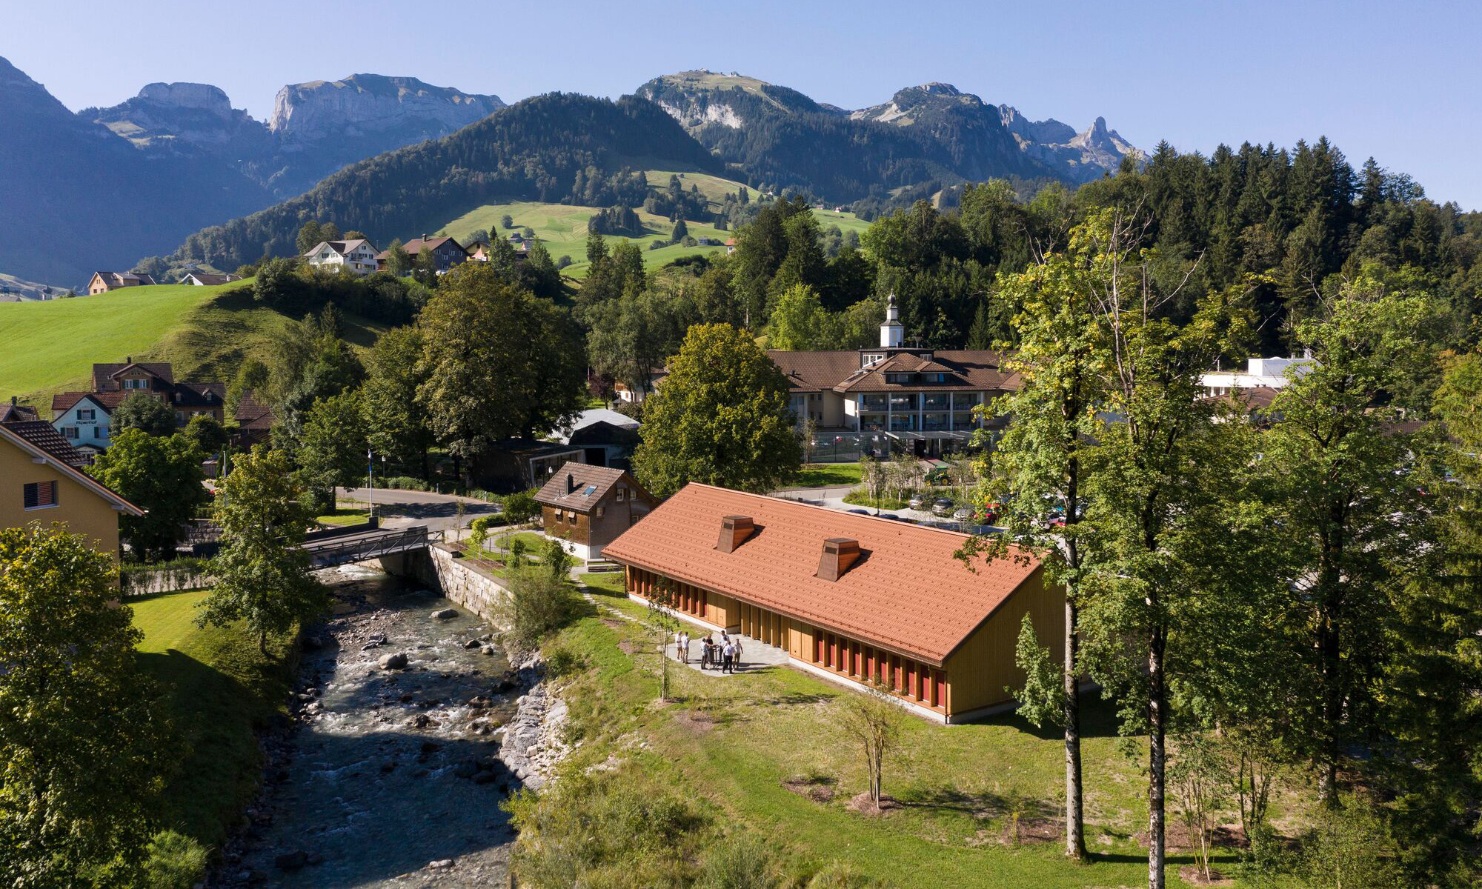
(839, 555)
(734, 531)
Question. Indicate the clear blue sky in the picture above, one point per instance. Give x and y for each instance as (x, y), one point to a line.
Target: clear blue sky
(1397, 81)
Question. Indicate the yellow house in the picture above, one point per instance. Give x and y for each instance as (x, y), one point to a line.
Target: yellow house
(38, 484)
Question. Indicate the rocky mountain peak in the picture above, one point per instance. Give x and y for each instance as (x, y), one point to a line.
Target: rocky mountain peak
(195, 96)
(363, 104)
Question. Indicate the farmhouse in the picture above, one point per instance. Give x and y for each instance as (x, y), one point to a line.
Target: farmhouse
(894, 397)
(588, 507)
(356, 256)
(103, 282)
(83, 418)
(446, 252)
(853, 598)
(39, 482)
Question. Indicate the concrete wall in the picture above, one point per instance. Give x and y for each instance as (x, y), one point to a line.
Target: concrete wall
(460, 582)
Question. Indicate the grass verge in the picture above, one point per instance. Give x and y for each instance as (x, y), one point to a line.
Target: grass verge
(757, 755)
(219, 690)
(828, 475)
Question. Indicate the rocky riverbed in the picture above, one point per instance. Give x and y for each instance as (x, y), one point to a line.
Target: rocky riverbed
(392, 774)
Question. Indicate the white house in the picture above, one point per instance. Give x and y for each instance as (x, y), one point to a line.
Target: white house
(357, 256)
(1260, 373)
(84, 422)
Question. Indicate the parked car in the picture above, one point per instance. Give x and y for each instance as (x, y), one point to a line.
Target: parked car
(859, 511)
(918, 502)
(941, 506)
(962, 516)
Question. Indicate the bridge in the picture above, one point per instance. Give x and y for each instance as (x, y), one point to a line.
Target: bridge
(362, 546)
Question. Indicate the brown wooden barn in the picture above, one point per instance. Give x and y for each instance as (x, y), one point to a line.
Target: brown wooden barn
(853, 598)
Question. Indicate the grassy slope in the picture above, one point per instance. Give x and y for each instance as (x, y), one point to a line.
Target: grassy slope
(563, 227)
(219, 688)
(957, 783)
(204, 331)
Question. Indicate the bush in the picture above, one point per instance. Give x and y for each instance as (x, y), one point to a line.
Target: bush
(520, 507)
(605, 829)
(739, 862)
(562, 661)
(175, 861)
(404, 483)
(537, 606)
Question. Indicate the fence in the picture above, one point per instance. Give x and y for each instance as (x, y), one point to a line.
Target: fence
(147, 580)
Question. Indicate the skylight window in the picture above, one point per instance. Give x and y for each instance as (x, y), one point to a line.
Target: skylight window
(589, 491)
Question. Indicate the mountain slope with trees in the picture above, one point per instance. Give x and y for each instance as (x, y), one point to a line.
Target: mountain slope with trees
(534, 150)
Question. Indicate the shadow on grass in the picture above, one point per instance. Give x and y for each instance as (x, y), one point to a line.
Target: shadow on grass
(215, 714)
(982, 804)
(1098, 720)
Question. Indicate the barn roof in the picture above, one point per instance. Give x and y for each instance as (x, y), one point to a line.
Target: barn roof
(908, 592)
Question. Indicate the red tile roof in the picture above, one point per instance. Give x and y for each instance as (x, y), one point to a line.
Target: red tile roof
(8, 433)
(908, 592)
(17, 413)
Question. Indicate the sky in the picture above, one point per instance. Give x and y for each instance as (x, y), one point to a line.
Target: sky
(1393, 81)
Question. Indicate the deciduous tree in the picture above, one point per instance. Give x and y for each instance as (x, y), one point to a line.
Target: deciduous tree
(720, 417)
(145, 413)
(496, 361)
(262, 575)
(332, 452)
(82, 736)
(160, 475)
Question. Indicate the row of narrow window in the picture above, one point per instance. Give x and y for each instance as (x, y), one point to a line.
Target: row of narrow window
(903, 676)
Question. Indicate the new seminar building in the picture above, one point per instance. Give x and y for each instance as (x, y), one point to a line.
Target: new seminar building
(853, 598)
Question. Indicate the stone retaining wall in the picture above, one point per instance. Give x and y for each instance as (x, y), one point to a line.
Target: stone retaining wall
(460, 582)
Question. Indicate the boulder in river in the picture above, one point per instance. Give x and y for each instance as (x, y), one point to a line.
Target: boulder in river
(445, 613)
(396, 661)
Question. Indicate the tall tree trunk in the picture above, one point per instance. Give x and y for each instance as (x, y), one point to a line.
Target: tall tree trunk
(1330, 651)
(1075, 841)
(1157, 756)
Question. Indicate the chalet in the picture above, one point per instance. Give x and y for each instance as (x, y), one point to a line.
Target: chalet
(103, 282)
(479, 251)
(356, 256)
(83, 418)
(254, 419)
(40, 482)
(1266, 374)
(207, 279)
(895, 396)
(588, 507)
(445, 251)
(855, 599)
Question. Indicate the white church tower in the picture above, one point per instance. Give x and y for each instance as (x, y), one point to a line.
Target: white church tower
(892, 334)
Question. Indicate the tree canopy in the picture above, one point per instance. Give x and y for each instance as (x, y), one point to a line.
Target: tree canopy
(82, 738)
(720, 417)
(160, 475)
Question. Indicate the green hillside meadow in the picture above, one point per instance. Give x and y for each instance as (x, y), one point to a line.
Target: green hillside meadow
(563, 227)
(204, 331)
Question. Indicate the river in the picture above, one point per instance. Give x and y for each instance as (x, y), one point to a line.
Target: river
(391, 776)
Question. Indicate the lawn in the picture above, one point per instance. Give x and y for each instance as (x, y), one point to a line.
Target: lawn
(563, 227)
(347, 512)
(732, 744)
(828, 475)
(219, 690)
(63, 337)
(205, 332)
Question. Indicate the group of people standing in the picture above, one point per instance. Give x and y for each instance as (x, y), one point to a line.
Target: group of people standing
(724, 656)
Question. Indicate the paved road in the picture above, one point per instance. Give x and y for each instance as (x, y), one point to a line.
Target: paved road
(398, 509)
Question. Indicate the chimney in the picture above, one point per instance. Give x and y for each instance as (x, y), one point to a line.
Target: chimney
(839, 553)
(570, 483)
(734, 529)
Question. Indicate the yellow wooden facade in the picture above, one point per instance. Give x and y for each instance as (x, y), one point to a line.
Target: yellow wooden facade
(81, 506)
